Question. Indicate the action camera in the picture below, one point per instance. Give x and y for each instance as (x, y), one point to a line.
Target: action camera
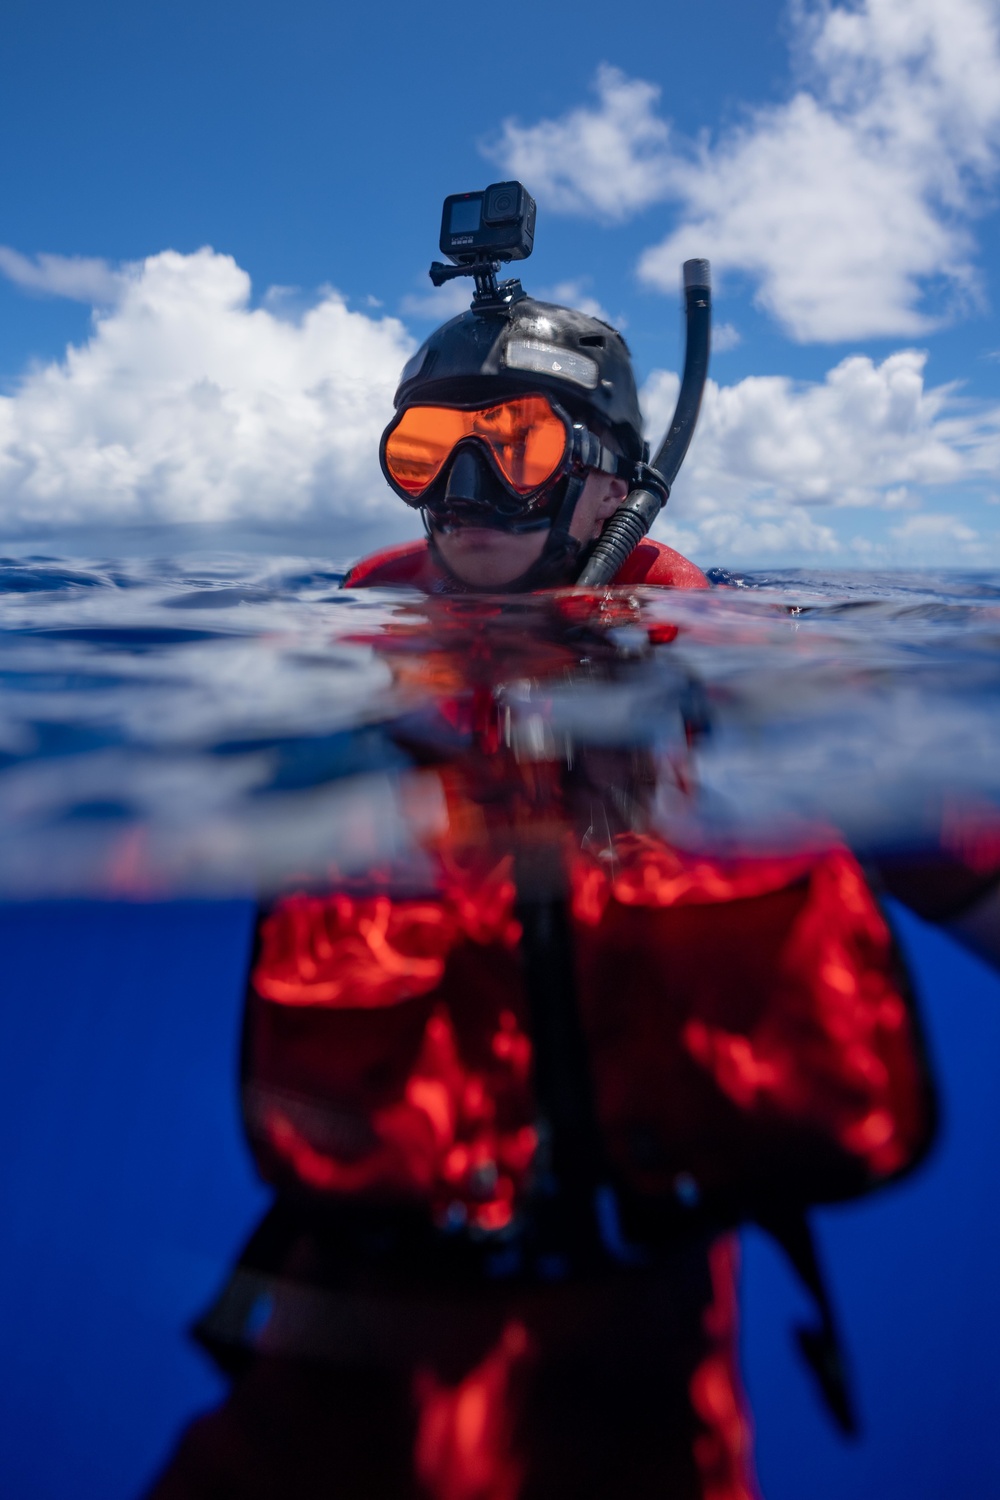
(496, 224)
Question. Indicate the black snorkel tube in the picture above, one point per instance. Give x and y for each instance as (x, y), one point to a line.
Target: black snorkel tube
(639, 510)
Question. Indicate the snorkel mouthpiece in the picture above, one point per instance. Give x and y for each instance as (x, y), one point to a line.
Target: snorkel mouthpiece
(467, 479)
(472, 495)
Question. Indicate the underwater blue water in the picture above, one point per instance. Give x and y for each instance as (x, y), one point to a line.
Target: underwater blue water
(126, 1193)
(175, 731)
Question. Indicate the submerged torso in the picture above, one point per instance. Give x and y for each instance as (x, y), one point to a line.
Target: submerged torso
(389, 1080)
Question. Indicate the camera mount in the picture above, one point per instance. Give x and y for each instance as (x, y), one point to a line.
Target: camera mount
(490, 295)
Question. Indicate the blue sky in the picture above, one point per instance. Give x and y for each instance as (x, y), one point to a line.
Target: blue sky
(838, 163)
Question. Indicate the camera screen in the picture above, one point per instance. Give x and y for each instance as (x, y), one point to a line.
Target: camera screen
(465, 216)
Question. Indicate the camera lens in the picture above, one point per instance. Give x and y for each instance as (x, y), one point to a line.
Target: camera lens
(503, 203)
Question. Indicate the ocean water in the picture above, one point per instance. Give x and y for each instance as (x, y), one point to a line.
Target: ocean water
(221, 725)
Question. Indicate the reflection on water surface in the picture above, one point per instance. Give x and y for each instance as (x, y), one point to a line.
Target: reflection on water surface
(230, 724)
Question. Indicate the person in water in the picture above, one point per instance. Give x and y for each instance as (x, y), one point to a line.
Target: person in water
(517, 437)
(382, 1350)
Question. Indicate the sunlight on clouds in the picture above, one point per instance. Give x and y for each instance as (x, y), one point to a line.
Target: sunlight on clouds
(869, 435)
(187, 404)
(844, 204)
(753, 533)
(847, 440)
(610, 161)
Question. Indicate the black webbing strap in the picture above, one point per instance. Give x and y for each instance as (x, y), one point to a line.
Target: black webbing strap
(573, 1209)
(570, 1145)
(819, 1344)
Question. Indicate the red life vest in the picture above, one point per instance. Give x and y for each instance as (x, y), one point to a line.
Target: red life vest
(748, 1025)
(412, 566)
(751, 1041)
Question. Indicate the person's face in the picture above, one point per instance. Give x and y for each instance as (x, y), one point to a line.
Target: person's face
(489, 559)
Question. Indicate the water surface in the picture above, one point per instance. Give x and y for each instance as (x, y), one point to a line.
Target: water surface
(225, 724)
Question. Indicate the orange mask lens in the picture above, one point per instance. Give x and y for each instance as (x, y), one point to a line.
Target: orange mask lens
(525, 437)
(417, 448)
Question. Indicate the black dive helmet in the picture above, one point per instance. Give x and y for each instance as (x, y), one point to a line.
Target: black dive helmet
(581, 364)
(508, 344)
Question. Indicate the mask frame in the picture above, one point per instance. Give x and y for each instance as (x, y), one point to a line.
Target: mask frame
(583, 451)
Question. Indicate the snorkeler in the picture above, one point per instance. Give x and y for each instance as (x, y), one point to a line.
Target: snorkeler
(518, 436)
(502, 1107)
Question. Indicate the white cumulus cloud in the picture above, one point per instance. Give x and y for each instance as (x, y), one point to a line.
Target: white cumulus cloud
(610, 161)
(574, 293)
(769, 451)
(439, 303)
(756, 533)
(934, 528)
(725, 336)
(845, 204)
(82, 278)
(187, 403)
